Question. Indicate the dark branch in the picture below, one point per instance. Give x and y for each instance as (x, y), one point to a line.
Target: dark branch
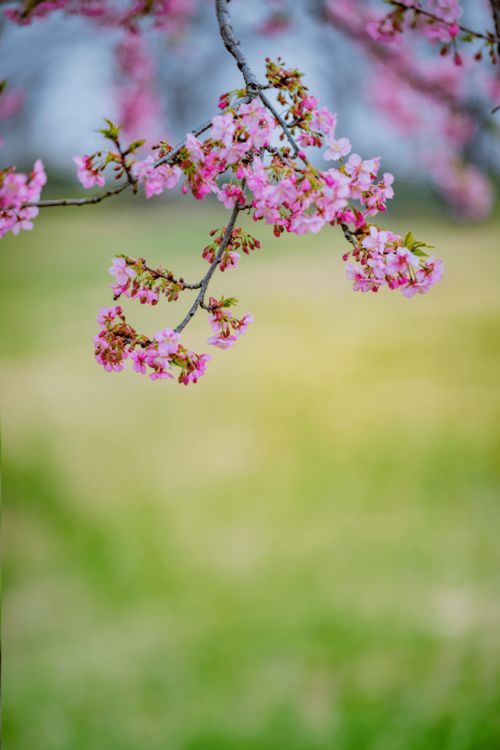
(200, 299)
(79, 201)
(232, 44)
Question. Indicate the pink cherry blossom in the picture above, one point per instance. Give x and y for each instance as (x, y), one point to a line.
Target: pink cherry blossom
(223, 128)
(155, 179)
(87, 174)
(121, 271)
(168, 341)
(337, 148)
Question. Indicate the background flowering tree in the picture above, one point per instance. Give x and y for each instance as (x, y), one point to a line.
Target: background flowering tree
(272, 151)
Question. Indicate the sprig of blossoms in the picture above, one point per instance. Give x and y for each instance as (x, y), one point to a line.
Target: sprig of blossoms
(383, 258)
(135, 279)
(159, 357)
(91, 167)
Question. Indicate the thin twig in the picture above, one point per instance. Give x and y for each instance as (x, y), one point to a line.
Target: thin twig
(78, 201)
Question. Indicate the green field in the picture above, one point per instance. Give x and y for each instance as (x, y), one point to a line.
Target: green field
(301, 552)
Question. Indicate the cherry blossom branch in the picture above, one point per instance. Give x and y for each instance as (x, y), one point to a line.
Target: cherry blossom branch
(203, 285)
(167, 159)
(488, 36)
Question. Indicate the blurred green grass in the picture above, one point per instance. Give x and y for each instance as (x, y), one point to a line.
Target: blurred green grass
(300, 552)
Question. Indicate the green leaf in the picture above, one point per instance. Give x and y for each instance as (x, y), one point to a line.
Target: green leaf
(229, 302)
(111, 132)
(409, 240)
(135, 145)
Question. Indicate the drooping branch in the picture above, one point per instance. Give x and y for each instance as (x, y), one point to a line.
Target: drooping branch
(200, 299)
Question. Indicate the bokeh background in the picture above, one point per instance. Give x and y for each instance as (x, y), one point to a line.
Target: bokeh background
(301, 551)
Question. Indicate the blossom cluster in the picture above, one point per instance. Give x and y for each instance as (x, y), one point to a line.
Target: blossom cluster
(244, 162)
(382, 258)
(158, 357)
(17, 190)
(465, 184)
